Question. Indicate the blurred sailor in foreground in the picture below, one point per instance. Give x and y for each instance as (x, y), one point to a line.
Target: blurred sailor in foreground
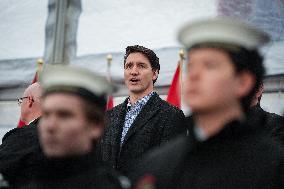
(72, 122)
(224, 70)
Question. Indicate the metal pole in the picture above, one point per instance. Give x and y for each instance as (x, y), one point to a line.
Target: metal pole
(61, 31)
(109, 59)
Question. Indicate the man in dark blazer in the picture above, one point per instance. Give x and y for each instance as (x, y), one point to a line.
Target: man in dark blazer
(143, 120)
(224, 70)
(19, 151)
(273, 124)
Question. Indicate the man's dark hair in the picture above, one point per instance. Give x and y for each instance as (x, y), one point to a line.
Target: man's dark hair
(92, 112)
(252, 61)
(243, 60)
(152, 57)
(259, 88)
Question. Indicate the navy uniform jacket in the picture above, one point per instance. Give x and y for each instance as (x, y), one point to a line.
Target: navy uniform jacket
(272, 124)
(239, 156)
(82, 171)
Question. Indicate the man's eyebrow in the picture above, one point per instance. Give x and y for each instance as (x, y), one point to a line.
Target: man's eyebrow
(141, 63)
(129, 62)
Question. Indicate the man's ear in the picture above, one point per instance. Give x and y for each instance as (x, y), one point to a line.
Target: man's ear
(246, 82)
(259, 91)
(30, 101)
(155, 74)
(97, 130)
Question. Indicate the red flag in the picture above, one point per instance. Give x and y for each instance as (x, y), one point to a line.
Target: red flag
(174, 94)
(109, 102)
(35, 78)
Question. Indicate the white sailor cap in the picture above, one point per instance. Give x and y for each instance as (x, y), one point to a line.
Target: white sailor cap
(224, 31)
(62, 78)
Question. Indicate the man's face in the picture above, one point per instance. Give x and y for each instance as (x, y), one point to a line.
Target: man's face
(211, 83)
(138, 74)
(64, 129)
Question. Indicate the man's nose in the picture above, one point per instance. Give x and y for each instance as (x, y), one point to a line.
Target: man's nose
(193, 74)
(50, 124)
(134, 71)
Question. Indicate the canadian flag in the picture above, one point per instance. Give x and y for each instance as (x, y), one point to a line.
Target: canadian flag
(109, 102)
(174, 94)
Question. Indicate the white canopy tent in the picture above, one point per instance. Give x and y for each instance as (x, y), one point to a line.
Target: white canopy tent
(108, 26)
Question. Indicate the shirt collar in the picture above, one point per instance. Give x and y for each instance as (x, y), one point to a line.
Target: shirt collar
(141, 101)
(199, 133)
(231, 128)
(31, 121)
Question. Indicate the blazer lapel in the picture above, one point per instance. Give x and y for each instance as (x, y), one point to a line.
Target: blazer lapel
(117, 128)
(147, 112)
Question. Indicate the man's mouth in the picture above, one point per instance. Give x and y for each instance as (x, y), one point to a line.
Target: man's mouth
(192, 92)
(134, 80)
(50, 142)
